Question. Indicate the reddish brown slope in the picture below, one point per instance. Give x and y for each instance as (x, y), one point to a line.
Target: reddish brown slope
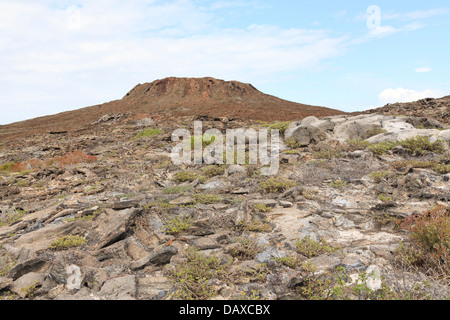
(176, 97)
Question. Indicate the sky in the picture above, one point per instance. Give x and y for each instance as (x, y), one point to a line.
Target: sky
(349, 55)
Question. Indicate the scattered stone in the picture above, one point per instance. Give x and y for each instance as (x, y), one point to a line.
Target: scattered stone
(122, 288)
(27, 284)
(183, 201)
(159, 256)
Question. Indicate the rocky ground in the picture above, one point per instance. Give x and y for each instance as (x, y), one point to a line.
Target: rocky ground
(103, 213)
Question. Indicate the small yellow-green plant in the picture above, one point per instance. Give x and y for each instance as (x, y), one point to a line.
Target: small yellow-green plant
(160, 204)
(281, 126)
(379, 176)
(191, 279)
(178, 189)
(202, 198)
(357, 144)
(275, 185)
(255, 225)
(213, 171)
(147, 133)
(310, 248)
(337, 184)
(329, 153)
(292, 143)
(11, 215)
(31, 289)
(384, 199)
(185, 176)
(177, 225)
(442, 168)
(205, 140)
(421, 145)
(382, 148)
(67, 242)
(309, 194)
(289, 262)
(246, 248)
(259, 207)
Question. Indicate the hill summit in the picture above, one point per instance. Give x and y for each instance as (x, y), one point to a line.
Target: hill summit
(175, 97)
(219, 98)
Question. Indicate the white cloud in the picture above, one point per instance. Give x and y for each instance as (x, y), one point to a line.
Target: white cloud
(406, 95)
(423, 70)
(383, 31)
(416, 15)
(89, 52)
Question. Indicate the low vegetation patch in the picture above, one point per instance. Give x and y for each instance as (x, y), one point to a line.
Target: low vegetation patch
(67, 242)
(177, 225)
(192, 277)
(178, 189)
(11, 215)
(329, 153)
(262, 208)
(185, 176)
(310, 248)
(147, 133)
(213, 171)
(429, 235)
(203, 198)
(246, 248)
(380, 176)
(255, 225)
(337, 184)
(275, 185)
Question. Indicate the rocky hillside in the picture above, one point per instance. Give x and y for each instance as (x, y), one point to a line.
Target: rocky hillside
(438, 109)
(172, 97)
(103, 213)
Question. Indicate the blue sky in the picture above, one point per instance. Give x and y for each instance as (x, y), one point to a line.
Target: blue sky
(68, 54)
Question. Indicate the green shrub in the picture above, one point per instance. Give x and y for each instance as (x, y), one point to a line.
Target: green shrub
(147, 133)
(255, 225)
(337, 184)
(275, 185)
(442, 168)
(309, 193)
(310, 248)
(430, 232)
(289, 262)
(67, 242)
(11, 215)
(281, 126)
(292, 143)
(246, 249)
(202, 198)
(382, 147)
(413, 163)
(259, 207)
(383, 198)
(178, 189)
(421, 145)
(185, 176)
(203, 139)
(379, 176)
(329, 154)
(191, 279)
(161, 204)
(213, 171)
(357, 144)
(177, 225)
